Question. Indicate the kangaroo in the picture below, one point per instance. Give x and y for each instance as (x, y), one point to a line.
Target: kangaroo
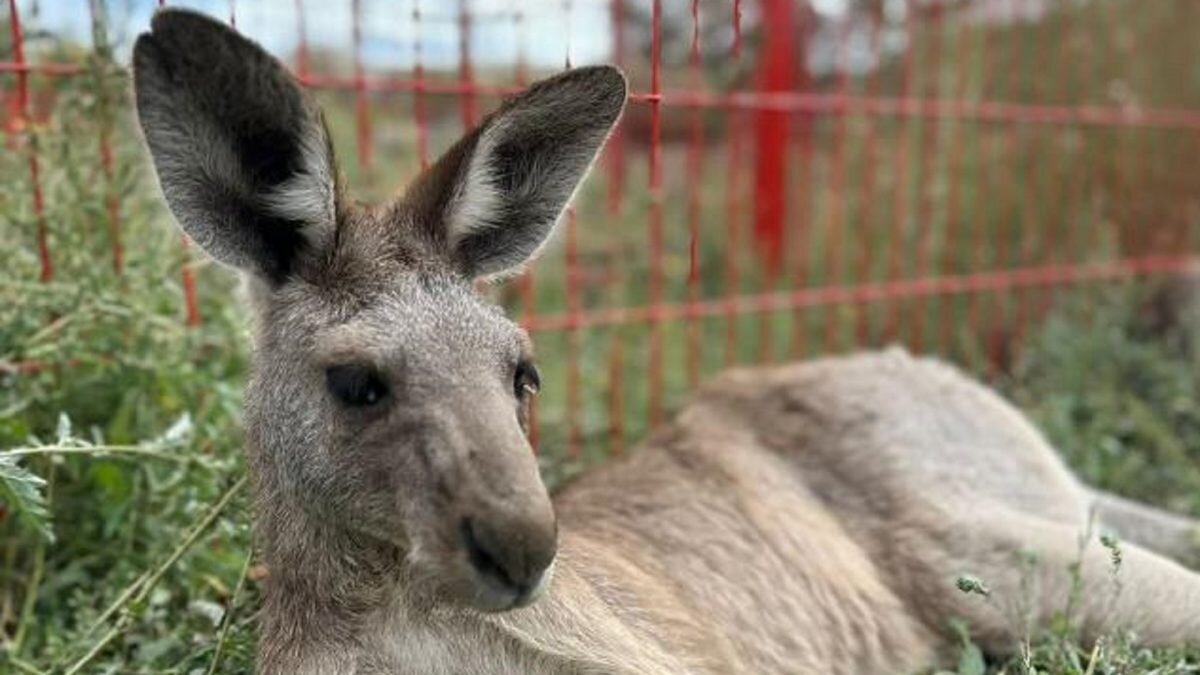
(808, 518)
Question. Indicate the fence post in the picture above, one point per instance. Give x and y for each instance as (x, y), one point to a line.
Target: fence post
(777, 66)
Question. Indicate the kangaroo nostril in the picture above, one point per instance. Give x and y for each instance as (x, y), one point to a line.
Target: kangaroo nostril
(484, 556)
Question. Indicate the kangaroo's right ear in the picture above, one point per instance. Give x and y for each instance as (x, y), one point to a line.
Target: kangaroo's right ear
(241, 153)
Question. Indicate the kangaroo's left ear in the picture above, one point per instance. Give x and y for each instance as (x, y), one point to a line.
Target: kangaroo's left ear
(492, 200)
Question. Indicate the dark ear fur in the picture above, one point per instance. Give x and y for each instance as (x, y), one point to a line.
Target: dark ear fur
(240, 151)
(493, 199)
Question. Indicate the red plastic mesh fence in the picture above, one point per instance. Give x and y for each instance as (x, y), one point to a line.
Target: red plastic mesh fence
(790, 177)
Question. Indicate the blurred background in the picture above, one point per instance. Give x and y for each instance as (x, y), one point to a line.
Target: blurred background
(1008, 184)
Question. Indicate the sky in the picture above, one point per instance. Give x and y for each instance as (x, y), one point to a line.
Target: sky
(547, 31)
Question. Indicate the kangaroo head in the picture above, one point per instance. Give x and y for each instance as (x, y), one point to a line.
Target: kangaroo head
(387, 400)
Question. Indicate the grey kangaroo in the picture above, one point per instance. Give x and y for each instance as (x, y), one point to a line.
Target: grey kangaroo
(808, 518)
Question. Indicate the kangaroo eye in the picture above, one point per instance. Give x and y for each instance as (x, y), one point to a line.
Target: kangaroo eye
(526, 380)
(357, 386)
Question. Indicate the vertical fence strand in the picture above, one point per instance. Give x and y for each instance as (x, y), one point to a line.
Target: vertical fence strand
(926, 172)
(466, 69)
(103, 57)
(980, 304)
(835, 225)
(656, 215)
(574, 275)
(615, 150)
(903, 130)
(362, 107)
(695, 159)
(802, 135)
(419, 89)
(951, 255)
(867, 197)
(26, 124)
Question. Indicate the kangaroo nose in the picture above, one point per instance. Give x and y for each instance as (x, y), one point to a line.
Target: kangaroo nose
(511, 556)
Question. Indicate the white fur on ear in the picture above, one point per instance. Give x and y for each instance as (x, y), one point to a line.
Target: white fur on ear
(480, 204)
(309, 197)
(475, 203)
(524, 167)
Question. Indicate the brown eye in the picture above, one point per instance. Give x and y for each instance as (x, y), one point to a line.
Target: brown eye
(526, 380)
(357, 386)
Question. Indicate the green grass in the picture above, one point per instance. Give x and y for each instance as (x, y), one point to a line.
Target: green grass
(118, 450)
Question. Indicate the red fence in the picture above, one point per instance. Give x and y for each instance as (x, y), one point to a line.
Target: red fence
(790, 177)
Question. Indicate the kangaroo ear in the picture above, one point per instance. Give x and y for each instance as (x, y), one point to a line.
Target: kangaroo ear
(493, 199)
(241, 153)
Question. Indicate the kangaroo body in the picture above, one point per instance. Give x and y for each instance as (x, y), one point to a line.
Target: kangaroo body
(812, 518)
(802, 519)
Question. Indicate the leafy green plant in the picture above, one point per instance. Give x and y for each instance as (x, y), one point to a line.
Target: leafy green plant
(21, 491)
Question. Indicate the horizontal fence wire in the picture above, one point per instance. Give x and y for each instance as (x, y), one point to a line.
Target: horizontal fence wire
(1001, 280)
(790, 178)
(997, 112)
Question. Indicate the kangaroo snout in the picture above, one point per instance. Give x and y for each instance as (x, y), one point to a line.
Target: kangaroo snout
(510, 555)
